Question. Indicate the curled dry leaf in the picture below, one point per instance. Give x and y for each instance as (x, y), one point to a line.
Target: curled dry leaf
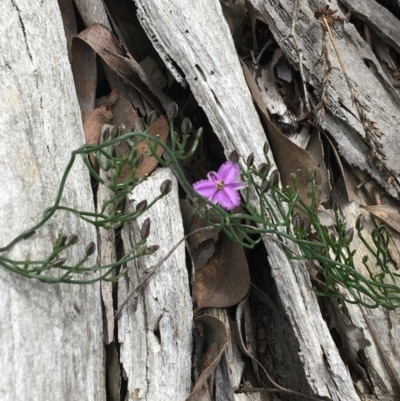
(201, 244)
(102, 41)
(388, 214)
(288, 157)
(216, 341)
(92, 127)
(224, 280)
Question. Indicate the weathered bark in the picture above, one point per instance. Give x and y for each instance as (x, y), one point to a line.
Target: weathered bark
(156, 339)
(185, 34)
(51, 336)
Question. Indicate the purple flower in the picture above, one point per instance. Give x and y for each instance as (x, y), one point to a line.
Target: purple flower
(223, 187)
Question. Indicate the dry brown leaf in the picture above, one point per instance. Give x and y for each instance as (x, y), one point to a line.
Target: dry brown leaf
(316, 150)
(216, 340)
(69, 23)
(160, 129)
(84, 69)
(104, 44)
(201, 244)
(92, 126)
(224, 280)
(123, 112)
(288, 157)
(388, 214)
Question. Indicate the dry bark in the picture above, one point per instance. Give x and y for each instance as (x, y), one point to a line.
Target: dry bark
(51, 335)
(156, 338)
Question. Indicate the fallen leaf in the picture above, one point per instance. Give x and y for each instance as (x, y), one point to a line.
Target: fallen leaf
(201, 244)
(69, 23)
(102, 41)
(92, 127)
(388, 214)
(159, 129)
(224, 280)
(316, 150)
(216, 341)
(84, 70)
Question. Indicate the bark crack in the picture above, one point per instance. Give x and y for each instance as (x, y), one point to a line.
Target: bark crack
(22, 27)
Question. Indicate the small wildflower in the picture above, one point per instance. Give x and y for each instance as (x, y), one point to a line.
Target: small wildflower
(222, 187)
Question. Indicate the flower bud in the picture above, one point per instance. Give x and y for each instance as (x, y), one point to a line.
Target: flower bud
(166, 187)
(274, 178)
(234, 157)
(360, 222)
(186, 126)
(262, 168)
(139, 160)
(106, 134)
(265, 187)
(114, 132)
(348, 237)
(145, 230)
(90, 249)
(151, 118)
(152, 249)
(365, 259)
(72, 239)
(306, 224)
(59, 262)
(296, 221)
(172, 110)
(313, 174)
(250, 160)
(266, 149)
(141, 206)
(199, 133)
(63, 240)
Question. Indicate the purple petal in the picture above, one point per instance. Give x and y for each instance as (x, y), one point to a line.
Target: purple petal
(229, 172)
(213, 176)
(236, 185)
(228, 198)
(205, 188)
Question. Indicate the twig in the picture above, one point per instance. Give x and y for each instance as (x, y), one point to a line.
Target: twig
(149, 273)
(300, 52)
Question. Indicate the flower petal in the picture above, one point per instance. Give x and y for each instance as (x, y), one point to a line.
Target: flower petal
(205, 188)
(229, 172)
(236, 185)
(228, 198)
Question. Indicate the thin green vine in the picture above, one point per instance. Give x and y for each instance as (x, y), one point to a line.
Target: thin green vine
(277, 213)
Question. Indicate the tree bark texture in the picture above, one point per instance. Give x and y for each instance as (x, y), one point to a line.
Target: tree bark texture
(51, 336)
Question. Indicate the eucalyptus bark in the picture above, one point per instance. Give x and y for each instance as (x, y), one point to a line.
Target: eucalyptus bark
(51, 336)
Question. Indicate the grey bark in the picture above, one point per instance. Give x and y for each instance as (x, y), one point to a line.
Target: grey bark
(51, 336)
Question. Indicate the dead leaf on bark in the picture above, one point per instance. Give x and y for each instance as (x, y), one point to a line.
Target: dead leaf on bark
(92, 127)
(104, 44)
(316, 150)
(353, 337)
(123, 112)
(288, 157)
(84, 70)
(159, 129)
(69, 23)
(224, 280)
(388, 214)
(216, 340)
(201, 244)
